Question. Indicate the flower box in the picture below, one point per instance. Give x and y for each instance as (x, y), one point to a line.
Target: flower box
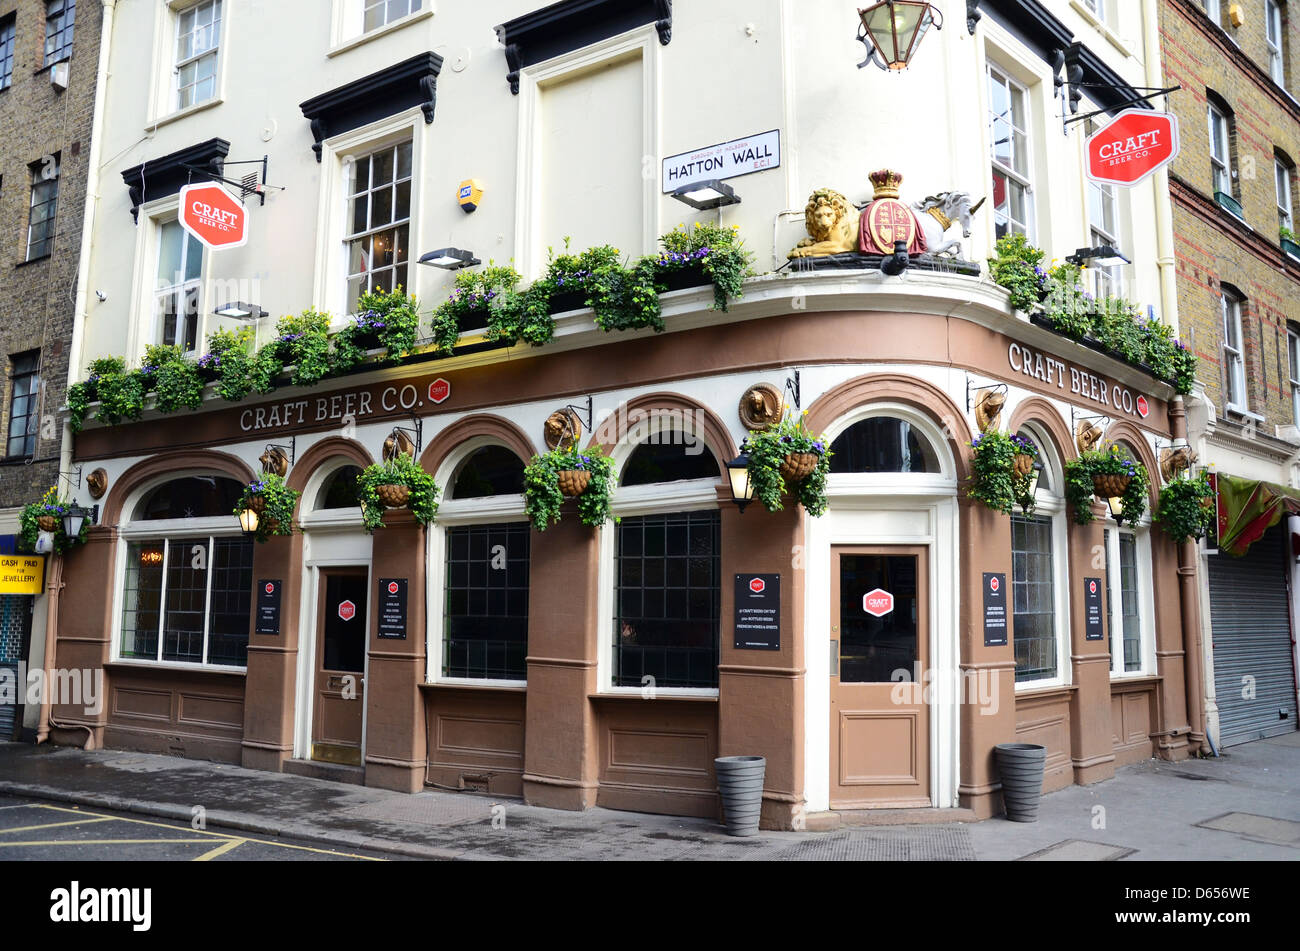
(681, 278)
(1291, 247)
(568, 300)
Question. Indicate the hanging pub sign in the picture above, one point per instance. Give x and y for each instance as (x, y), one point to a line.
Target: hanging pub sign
(214, 216)
(758, 612)
(1092, 616)
(754, 153)
(392, 608)
(268, 606)
(995, 609)
(1134, 145)
(22, 574)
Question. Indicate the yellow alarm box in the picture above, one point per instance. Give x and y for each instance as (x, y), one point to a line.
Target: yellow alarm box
(471, 193)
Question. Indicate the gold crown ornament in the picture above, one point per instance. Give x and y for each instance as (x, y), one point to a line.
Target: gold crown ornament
(886, 183)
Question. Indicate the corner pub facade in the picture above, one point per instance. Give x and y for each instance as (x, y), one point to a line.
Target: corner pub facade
(524, 677)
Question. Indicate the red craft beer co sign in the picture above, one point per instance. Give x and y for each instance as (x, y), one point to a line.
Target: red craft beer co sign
(878, 603)
(214, 216)
(347, 610)
(439, 390)
(757, 585)
(1136, 144)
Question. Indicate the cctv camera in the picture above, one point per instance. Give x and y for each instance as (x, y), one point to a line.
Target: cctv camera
(101, 295)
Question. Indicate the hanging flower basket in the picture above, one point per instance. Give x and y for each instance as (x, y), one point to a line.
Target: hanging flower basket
(1110, 485)
(393, 496)
(273, 501)
(47, 523)
(798, 466)
(1023, 465)
(257, 503)
(573, 482)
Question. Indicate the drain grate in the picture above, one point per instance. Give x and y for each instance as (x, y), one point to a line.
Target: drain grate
(895, 844)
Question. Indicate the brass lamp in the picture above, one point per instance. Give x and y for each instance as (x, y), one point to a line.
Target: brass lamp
(248, 520)
(742, 490)
(895, 29)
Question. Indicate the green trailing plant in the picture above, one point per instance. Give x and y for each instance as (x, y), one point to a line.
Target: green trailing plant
(228, 363)
(719, 251)
(1286, 234)
(1017, 266)
(767, 451)
(275, 503)
(176, 381)
(621, 297)
(384, 320)
(484, 292)
(303, 342)
(1079, 491)
(993, 480)
(49, 505)
(1186, 509)
(542, 495)
(120, 392)
(400, 470)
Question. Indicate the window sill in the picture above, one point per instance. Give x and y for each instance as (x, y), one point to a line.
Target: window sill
(1114, 38)
(1235, 411)
(125, 663)
(14, 461)
(1133, 681)
(690, 694)
(183, 113)
(51, 63)
(489, 687)
(364, 38)
(1034, 691)
(37, 260)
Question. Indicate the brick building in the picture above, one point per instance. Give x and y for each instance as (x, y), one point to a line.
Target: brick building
(49, 64)
(1238, 275)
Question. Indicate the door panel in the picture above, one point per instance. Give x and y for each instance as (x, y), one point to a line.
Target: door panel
(341, 638)
(880, 734)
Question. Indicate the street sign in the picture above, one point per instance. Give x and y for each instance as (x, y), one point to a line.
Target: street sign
(878, 603)
(1137, 143)
(214, 216)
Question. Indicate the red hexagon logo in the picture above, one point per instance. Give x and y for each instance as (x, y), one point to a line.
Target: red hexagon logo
(1143, 407)
(757, 585)
(878, 603)
(393, 587)
(270, 588)
(1136, 144)
(347, 610)
(1092, 587)
(439, 390)
(993, 584)
(214, 216)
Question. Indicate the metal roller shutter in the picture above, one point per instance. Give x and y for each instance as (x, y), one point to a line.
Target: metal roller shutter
(1250, 618)
(15, 615)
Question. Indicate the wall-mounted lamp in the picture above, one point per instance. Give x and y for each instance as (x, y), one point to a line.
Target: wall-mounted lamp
(742, 490)
(1104, 255)
(74, 517)
(238, 310)
(704, 196)
(1116, 503)
(891, 31)
(248, 520)
(1034, 475)
(450, 259)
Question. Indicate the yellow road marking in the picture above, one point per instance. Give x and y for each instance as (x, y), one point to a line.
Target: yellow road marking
(16, 845)
(55, 825)
(221, 850)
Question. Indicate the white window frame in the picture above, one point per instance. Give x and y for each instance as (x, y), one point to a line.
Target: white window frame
(170, 530)
(394, 224)
(1106, 281)
(1141, 535)
(1293, 368)
(1282, 187)
(1221, 170)
(1273, 41)
(214, 51)
(347, 29)
(1233, 357)
(412, 9)
(459, 513)
(1050, 503)
(179, 289)
(996, 73)
(1213, 11)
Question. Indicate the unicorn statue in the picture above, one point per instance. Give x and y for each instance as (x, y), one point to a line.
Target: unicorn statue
(940, 212)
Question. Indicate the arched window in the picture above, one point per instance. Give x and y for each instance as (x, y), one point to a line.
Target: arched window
(339, 490)
(1128, 591)
(485, 560)
(187, 591)
(667, 568)
(1039, 573)
(883, 444)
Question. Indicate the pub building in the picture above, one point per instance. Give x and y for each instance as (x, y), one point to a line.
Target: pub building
(609, 666)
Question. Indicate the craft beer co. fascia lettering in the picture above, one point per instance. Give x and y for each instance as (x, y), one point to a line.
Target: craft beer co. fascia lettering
(1047, 369)
(336, 407)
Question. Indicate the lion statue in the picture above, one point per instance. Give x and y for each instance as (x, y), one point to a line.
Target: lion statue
(832, 222)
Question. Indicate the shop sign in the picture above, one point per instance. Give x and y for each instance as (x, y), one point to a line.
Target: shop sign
(22, 574)
(268, 607)
(1092, 616)
(347, 610)
(1135, 145)
(754, 153)
(878, 603)
(350, 405)
(392, 608)
(995, 609)
(1084, 384)
(757, 624)
(214, 216)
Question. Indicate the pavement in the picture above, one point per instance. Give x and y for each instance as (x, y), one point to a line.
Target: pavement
(1241, 806)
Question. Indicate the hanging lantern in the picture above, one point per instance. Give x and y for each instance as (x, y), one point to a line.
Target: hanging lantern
(892, 31)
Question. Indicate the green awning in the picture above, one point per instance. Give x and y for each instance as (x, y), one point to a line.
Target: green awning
(1248, 508)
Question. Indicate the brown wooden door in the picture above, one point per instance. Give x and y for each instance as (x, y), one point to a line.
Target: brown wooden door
(341, 638)
(880, 724)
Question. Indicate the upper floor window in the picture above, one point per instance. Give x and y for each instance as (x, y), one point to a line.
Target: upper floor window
(198, 33)
(24, 403)
(1220, 150)
(44, 204)
(176, 300)
(1213, 10)
(60, 15)
(1282, 187)
(1104, 225)
(1102, 10)
(1234, 367)
(1293, 363)
(7, 29)
(379, 221)
(883, 444)
(1273, 40)
(379, 13)
(1009, 136)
